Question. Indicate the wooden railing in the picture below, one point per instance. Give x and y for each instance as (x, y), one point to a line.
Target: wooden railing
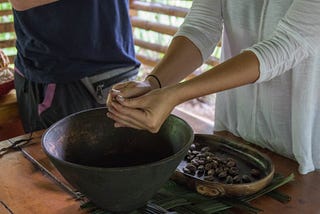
(7, 27)
(137, 22)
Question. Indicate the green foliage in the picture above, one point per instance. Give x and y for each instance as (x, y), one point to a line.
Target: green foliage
(7, 35)
(5, 6)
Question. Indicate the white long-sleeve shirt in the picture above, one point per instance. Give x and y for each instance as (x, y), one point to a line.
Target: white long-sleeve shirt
(281, 111)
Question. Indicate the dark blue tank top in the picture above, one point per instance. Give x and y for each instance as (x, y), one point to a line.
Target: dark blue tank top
(69, 39)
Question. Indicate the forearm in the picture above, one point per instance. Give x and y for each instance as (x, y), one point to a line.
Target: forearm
(21, 5)
(181, 59)
(237, 71)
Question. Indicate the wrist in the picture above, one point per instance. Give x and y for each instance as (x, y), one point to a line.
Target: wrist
(154, 81)
(173, 95)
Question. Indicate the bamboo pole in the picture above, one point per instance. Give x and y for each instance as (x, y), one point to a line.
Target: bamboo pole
(150, 46)
(159, 8)
(153, 26)
(5, 12)
(7, 43)
(6, 27)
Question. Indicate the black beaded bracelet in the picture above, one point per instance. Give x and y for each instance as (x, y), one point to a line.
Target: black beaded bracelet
(156, 78)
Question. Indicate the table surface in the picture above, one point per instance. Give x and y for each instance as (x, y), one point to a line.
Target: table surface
(8, 107)
(25, 189)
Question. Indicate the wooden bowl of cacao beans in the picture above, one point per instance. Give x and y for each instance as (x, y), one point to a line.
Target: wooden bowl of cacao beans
(216, 167)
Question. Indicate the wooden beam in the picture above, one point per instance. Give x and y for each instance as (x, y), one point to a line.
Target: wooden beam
(5, 12)
(6, 27)
(150, 46)
(159, 8)
(7, 43)
(153, 26)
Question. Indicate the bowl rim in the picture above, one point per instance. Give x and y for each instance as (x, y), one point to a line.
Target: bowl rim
(167, 159)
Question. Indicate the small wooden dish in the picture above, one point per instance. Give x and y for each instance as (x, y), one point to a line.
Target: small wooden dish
(246, 157)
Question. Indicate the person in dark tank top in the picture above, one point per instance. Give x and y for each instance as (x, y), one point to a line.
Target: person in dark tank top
(68, 55)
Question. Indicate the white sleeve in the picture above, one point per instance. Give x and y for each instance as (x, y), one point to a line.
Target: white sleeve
(296, 38)
(203, 25)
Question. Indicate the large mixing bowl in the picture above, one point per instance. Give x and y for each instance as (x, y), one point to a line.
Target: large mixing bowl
(119, 169)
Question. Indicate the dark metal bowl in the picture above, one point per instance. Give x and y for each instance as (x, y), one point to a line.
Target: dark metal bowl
(119, 169)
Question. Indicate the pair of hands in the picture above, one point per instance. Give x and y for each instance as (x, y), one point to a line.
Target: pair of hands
(137, 105)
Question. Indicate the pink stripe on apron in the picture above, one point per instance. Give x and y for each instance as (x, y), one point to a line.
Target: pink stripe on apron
(49, 94)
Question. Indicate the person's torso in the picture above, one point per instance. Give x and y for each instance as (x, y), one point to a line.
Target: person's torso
(260, 113)
(70, 39)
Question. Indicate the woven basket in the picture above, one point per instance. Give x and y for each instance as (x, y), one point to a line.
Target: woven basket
(6, 81)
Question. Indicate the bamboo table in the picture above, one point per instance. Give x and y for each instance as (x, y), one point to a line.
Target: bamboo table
(25, 189)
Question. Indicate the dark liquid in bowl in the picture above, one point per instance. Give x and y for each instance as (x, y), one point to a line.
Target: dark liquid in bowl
(129, 159)
(117, 156)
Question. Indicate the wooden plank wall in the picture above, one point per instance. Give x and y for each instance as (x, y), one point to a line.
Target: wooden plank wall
(7, 27)
(139, 22)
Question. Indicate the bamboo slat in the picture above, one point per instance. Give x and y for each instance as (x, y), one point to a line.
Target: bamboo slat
(5, 12)
(159, 8)
(153, 26)
(7, 43)
(150, 46)
(6, 27)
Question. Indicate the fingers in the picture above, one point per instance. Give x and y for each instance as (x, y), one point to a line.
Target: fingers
(125, 117)
(113, 93)
(130, 103)
(141, 111)
(138, 113)
(121, 85)
(125, 89)
(128, 89)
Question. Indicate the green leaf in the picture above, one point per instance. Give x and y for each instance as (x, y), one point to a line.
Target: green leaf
(175, 203)
(180, 199)
(283, 198)
(234, 202)
(276, 183)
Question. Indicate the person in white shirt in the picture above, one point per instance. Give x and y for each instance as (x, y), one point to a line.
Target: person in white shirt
(267, 86)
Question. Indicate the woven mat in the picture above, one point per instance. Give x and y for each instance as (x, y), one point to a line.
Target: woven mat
(174, 198)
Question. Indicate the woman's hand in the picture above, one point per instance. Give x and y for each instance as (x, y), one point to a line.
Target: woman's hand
(128, 90)
(147, 112)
